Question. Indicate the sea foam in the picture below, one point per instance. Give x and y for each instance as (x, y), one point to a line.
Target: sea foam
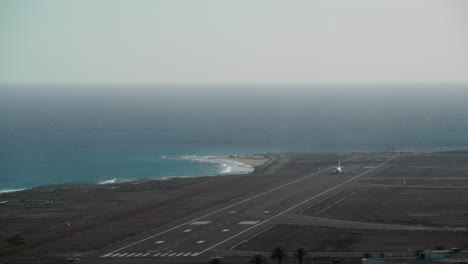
(226, 166)
(114, 180)
(12, 190)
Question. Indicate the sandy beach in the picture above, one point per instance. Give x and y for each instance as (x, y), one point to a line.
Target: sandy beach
(252, 160)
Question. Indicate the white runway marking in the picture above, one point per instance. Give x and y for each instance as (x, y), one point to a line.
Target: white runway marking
(144, 255)
(157, 254)
(187, 254)
(195, 254)
(224, 230)
(226, 207)
(247, 240)
(160, 242)
(164, 254)
(139, 254)
(266, 212)
(233, 212)
(319, 202)
(294, 206)
(123, 255)
(200, 241)
(115, 255)
(200, 222)
(131, 254)
(248, 222)
(172, 254)
(335, 203)
(180, 254)
(187, 230)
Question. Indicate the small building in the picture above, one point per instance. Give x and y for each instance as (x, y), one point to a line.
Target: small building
(452, 256)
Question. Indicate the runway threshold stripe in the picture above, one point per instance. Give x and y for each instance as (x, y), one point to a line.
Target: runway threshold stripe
(123, 255)
(157, 254)
(187, 254)
(144, 255)
(172, 254)
(180, 254)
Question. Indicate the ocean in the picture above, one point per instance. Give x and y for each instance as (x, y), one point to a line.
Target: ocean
(94, 133)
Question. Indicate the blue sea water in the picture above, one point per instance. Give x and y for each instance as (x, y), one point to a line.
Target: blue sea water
(63, 133)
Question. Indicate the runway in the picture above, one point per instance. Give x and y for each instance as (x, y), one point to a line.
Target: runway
(228, 224)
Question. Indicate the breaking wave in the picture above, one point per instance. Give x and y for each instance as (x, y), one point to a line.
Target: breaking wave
(227, 167)
(114, 180)
(12, 190)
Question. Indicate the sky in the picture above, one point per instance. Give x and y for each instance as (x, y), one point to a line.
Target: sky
(237, 41)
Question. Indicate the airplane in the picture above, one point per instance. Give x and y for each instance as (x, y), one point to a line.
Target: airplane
(339, 169)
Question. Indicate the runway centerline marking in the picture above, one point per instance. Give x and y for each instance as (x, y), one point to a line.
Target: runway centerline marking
(160, 242)
(187, 230)
(229, 206)
(248, 222)
(200, 241)
(224, 230)
(201, 222)
(294, 206)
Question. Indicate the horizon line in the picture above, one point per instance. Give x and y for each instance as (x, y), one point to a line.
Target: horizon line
(228, 83)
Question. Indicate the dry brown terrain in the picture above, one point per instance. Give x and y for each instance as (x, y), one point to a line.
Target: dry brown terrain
(414, 206)
(415, 191)
(326, 239)
(101, 215)
(431, 198)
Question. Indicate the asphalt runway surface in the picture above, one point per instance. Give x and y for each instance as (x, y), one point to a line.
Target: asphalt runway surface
(228, 224)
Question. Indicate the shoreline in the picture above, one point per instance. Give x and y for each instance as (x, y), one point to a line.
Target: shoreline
(122, 212)
(251, 160)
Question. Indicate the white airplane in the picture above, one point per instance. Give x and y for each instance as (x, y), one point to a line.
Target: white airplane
(339, 169)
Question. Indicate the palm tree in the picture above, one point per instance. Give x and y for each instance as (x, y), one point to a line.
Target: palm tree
(215, 261)
(257, 259)
(300, 254)
(279, 254)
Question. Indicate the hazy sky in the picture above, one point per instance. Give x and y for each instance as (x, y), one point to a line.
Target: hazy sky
(233, 41)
